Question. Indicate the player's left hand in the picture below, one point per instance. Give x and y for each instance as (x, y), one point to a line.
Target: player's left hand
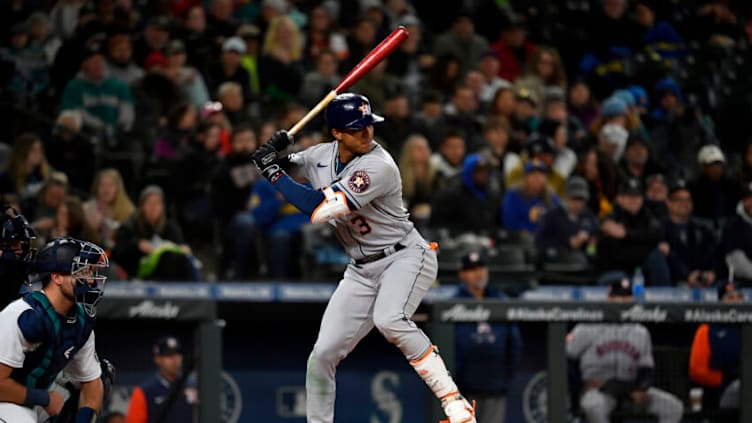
(639, 397)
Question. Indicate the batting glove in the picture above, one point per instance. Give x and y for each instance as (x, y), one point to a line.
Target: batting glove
(265, 159)
(281, 140)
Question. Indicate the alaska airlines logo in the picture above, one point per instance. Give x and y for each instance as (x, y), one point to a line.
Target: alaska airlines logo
(150, 309)
(462, 313)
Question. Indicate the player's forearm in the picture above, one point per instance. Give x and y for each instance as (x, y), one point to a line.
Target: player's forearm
(12, 391)
(92, 395)
(302, 197)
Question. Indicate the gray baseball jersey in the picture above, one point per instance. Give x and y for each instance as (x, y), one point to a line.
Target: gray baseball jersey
(372, 183)
(608, 351)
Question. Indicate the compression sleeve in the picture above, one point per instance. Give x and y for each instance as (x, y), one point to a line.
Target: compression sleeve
(304, 198)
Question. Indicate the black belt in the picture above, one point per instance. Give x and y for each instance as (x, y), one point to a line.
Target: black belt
(378, 256)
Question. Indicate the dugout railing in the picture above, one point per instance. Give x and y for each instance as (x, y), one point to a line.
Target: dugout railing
(558, 314)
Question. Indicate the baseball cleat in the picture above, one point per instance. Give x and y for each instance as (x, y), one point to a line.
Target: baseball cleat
(458, 410)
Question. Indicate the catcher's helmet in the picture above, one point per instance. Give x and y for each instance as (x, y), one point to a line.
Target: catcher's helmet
(81, 259)
(15, 236)
(350, 111)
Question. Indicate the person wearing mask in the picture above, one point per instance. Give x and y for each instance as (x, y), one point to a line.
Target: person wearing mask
(487, 355)
(151, 401)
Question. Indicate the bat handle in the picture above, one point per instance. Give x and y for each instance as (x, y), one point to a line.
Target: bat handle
(313, 112)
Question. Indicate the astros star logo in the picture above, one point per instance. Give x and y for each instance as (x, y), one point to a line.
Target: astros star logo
(359, 181)
(364, 109)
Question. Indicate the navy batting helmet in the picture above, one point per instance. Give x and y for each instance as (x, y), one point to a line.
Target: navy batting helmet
(350, 111)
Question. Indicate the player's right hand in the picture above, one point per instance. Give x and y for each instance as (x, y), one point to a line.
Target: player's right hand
(55, 405)
(280, 140)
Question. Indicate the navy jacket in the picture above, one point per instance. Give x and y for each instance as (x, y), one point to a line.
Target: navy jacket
(486, 354)
(693, 247)
(556, 228)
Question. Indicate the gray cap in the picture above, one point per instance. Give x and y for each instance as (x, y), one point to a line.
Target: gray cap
(234, 44)
(577, 187)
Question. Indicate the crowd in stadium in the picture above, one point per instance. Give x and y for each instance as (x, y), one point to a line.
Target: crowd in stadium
(610, 132)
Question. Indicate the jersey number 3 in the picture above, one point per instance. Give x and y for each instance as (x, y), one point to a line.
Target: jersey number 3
(363, 227)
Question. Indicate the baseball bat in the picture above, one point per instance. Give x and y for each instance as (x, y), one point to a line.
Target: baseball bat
(385, 48)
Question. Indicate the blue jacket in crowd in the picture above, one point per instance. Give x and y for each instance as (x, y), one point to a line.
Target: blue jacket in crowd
(520, 213)
(486, 354)
(556, 228)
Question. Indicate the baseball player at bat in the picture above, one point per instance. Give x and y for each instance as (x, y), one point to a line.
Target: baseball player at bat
(616, 365)
(357, 188)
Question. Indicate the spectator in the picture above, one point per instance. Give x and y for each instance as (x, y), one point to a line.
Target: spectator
(280, 223)
(678, 130)
(27, 69)
(523, 117)
(489, 70)
(656, 195)
(523, 207)
(613, 111)
(658, 38)
(230, 190)
(599, 351)
(570, 226)
(691, 245)
(736, 243)
(42, 208)
(544, 69)
(448, 160)
(317, 83)
(220, 24)
(412, 61)
(154, 38)
(109, 206)
(119, 60)
(361, 40)
(612, 141)
(181, 122)
(601, 175)
(462, 41)
(715, 195)
(188, 78)
(513, 48)
(445, 75)
(496, 136)
(630, 237)
(322, 36)
(376, 84)
(148, 400)
(399, 121)
(637, 162)
(230, 96)
(229, 68)
(418, 177)
(542, 149)
(283, 45)
(253, 62)
(106, 103)
(70, 221)
(634, 118)
(199, 45)
(503, 104)
(156, 95)
(461, 113)
(714, 357)
(580, 103)
(487, 355)
(42, 36)
(64, 16)
(28, 168)
(429, 115)
(150, 246)
(469, 202)
(71, 151)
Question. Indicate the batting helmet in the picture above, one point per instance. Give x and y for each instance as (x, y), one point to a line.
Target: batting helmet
(15, 236)
(350, 111)
(80, 259)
